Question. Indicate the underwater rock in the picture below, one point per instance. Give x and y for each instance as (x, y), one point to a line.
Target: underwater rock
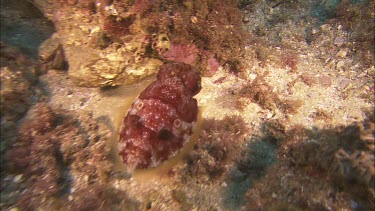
(18, 76)
(162, 118)
(15, 94)
(110, 43)
(51, 54)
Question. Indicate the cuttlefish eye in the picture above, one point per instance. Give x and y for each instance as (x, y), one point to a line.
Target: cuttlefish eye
(164, 134)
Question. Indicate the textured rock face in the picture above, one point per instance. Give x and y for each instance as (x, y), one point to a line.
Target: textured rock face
(109, 43)
(162, 118)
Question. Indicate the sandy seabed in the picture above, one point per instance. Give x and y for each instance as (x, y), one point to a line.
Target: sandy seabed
(293, 131)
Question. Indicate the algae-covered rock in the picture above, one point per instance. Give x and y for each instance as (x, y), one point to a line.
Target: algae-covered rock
(15, 94)
(98, 52)
(18, 75)
(96, 70)
(51, 54)
(108, 43)
(61, 152)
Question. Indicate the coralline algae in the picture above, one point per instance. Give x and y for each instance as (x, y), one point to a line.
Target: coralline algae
(161, 119)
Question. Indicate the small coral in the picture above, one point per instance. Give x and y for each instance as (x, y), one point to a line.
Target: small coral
(162, 118)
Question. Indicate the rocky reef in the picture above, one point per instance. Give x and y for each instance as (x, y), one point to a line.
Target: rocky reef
(285, 91)
(109, 43)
